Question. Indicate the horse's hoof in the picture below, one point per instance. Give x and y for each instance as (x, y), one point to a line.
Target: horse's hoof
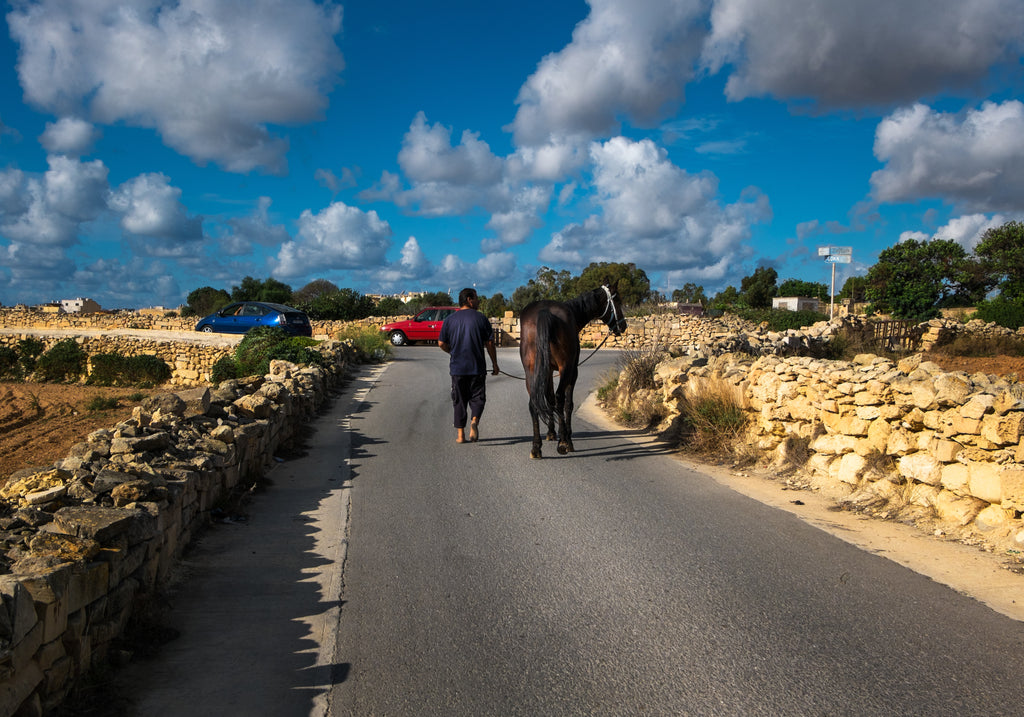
(563, 449)
(535, 454)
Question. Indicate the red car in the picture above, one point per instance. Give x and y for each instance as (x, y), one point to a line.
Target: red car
(424, 326)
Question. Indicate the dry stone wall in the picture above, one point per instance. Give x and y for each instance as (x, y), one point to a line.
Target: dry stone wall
(876, 432)
(83, 540)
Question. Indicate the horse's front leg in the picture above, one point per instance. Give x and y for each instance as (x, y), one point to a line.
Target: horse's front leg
(535, 449)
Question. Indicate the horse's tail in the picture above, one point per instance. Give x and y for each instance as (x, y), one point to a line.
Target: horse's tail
(541, 392)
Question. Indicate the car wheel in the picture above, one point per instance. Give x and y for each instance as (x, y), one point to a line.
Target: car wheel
(398, 338)
(207, 329)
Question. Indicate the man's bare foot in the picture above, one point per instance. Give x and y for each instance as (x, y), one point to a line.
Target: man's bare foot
(460, 436)
(474, 431)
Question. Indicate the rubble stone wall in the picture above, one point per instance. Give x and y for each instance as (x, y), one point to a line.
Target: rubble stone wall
(876, 432)
(84, 540)
(191, 363)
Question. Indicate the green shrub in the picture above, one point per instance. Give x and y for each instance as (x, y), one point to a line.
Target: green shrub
(370, 344)
(224, 370)
(29, 350)
(781, 319)
(117, 370)
(63, 363)
(267, 343)
(10, 367)
(1002, 311)
(99, 403)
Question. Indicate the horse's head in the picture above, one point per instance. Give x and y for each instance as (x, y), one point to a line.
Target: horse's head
(613, 314)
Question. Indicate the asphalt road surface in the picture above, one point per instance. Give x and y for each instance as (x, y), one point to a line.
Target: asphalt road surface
(614, 581)
(391, 571)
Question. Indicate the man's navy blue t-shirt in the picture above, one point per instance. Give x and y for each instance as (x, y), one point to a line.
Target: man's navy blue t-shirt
(466, 331)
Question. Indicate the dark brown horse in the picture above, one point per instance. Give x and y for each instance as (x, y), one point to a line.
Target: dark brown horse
(549, 342)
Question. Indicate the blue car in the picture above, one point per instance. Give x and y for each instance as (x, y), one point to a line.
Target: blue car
(241, 316)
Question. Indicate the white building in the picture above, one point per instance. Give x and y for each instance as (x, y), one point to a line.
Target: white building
(796, 303)
(79, 306)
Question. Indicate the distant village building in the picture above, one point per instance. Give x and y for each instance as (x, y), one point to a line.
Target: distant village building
(796, 303)
(79, 306)
(690, 309)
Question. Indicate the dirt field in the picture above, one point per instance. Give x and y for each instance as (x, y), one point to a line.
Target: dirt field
(40, 422)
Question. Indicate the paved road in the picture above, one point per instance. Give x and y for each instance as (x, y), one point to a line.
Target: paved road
(392, 571)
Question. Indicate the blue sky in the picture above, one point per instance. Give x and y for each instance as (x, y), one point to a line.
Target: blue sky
(150, 148)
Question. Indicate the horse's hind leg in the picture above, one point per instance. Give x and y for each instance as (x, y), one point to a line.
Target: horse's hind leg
(567, 435)
(535, 448)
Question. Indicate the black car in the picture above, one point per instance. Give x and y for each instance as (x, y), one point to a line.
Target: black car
(239, 317)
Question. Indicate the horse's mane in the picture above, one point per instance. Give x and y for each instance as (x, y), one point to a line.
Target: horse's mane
(587, 306)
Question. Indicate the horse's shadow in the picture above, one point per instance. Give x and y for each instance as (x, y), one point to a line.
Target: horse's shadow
(622, 445)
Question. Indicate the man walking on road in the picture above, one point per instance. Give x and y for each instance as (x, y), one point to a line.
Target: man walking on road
(465, 335)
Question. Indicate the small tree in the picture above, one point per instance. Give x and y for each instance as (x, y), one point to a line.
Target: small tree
(690, 294)
(205, 300)
(758, 289)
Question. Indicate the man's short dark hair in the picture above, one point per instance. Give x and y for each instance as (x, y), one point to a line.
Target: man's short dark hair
(465, 295)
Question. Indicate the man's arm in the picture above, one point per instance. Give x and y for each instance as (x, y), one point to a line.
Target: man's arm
(444, 347)
(494, 357)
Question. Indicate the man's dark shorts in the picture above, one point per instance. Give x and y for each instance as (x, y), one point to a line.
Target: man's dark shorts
(469, 394)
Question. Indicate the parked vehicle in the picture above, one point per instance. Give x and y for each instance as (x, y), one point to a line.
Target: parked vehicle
(239, 317)
(424, 326)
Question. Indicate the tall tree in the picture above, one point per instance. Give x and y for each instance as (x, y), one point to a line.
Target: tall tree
(854, 288)
(1001, 256)
(269, 289)
(312, 290)
(798, 287)
(914, 278)
(631, 281)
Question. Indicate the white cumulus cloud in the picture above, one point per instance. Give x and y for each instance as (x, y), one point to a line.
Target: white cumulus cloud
(208, 75)
(150, 207)
(69, 135)
(656, 215)
(868, 52)
(628, 57)
(975, 159)
(339, 237)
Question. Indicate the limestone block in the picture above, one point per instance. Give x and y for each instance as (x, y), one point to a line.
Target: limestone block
(920, 467)
(945, 451)
(985, 482)
(868, 413)
(14, 691)
(1003, 430)
(833, 444)
(104, 524)
(924, 395)
(951, 390)
(992, 517)
(977, 406)
(956, 508)
(956, 477)
(19, 611)
(900, 442)
(849, 468)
